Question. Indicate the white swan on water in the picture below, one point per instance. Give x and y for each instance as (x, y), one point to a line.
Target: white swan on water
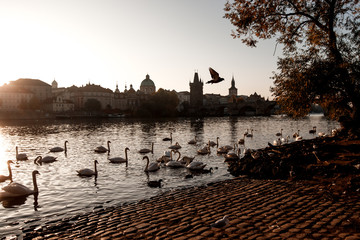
(18, 190)
(46, 159)
(174, 163)
(86, 172)
(59, 149)
(101, 149)
(120, 159)
(146, 150)
(20, 156)
(3, 178)
(151, 167)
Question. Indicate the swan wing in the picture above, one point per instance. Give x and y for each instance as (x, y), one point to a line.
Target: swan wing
(100, 149)
(17, 189)
(86, 172)
(56, 149)
(153, 166)
(22, 156)
(174, 164)
(117, 160)
(48, 159)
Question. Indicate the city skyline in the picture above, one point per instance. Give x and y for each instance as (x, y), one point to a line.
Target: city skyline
(120, 42)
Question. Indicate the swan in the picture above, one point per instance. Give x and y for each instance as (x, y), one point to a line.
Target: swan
(155, 184)
(174, 163)
(20, 156)
(186, 159)
(241, 141)
(168, 139)
(151, 167)
(120, 159)
(86, 172)
(204, 150)
(230, 156)
(298, 138)
(46, 159)
(313, 130)
(250, 134)
(285, 140)
(277, 142)
(165, 158)
(322, 134)
(146, 150)
(18, 190)
(176, 146)
(3, 178)
(59, 149)
(101, 149)
(205, 171)
(279, 133)
(222, 150)
(195, 166)
(296, 134)
(213, 144)
(192, 141)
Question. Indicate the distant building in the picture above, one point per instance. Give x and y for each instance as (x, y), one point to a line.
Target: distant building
(196, 92)
(41, 90)
(59, 104)
(12, 98)
(147, 85)
(233, 90)
(79, 95)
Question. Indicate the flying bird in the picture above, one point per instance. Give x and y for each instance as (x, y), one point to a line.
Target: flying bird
(215, 76)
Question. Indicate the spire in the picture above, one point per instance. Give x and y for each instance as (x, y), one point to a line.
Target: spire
(196, 77)
(233, 82)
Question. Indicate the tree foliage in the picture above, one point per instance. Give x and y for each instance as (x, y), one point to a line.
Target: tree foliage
(161, 104)
(321, 50)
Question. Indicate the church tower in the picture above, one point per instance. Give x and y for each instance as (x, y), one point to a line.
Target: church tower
(196, 92)
(233, 89)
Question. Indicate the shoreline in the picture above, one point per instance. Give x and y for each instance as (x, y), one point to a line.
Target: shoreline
(262, 209)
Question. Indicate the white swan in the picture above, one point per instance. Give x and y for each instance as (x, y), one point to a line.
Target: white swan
(20, 156)
(277, 142)
(296, 134)
(279, 133)
(3, 178)
(175, 146)
(205, 150)
(213, 144)
(313, 130)
(101, 149)
(151, 167)
(18, 190)
(146, 150)
(59, 149)
(195, 166)
(250, 134)
(46, 159)
(241, 141)
(174, 163)
(168, 139)
(192, 141)
(86, 172)
(120, 159)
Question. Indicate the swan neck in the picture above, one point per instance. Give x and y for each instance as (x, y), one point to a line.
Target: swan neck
(65, 147)
(108, 144)
(126, 157)
(10, 172)
(35, 183)
(152, 147)
(17, 153)
(95, 168)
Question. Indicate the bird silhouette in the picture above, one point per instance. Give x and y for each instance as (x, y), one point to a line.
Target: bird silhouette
(215, 76)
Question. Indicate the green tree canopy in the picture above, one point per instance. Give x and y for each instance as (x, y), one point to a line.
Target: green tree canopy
(321, 50)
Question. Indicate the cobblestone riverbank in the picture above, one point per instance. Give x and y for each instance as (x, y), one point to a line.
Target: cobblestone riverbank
(257, 209)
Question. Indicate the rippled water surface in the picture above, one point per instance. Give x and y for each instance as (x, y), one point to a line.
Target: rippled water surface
(62, 193)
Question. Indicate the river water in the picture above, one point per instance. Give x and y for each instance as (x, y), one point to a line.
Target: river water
(62, 193)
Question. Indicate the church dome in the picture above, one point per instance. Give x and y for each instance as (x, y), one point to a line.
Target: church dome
(147, 82)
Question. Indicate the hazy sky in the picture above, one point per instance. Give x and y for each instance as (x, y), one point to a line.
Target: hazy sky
(120, 41)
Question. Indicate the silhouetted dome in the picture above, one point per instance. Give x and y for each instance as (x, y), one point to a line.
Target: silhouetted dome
(147, 82)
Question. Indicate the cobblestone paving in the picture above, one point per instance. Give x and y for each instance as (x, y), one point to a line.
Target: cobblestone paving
(257, 209)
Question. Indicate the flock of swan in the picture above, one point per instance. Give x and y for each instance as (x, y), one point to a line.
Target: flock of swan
(14, 189)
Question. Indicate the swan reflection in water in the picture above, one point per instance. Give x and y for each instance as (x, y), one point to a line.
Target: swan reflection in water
(14, 202)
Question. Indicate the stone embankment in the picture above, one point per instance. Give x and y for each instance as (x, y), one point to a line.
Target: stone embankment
(257, 209)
